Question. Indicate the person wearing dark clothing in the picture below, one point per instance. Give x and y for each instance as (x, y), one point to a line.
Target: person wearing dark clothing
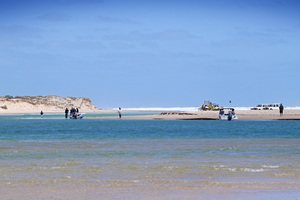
(120, 113)
(221, 112)
(77, 110)
(66, 113)
(73, 112)
(281, 109)
(232, 111)
(42, 114)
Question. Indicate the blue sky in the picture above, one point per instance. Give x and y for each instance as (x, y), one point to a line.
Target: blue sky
(152, 53)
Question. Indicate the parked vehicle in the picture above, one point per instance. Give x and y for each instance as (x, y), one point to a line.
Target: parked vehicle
(266, 106)
(209, 106)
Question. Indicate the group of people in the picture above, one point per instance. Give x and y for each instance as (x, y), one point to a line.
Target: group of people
(73, 112)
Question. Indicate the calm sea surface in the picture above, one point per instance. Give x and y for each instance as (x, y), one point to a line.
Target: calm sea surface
(148, 159)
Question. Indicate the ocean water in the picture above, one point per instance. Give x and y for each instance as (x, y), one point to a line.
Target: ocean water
(148, 159)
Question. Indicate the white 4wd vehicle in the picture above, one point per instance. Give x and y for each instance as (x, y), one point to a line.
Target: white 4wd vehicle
(271, 106)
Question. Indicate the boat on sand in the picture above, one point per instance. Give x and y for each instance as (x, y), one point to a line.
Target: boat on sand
(76, 116)
(230, 115)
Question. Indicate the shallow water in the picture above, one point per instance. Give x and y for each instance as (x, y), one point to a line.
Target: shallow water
(62, 116)
(149, 159)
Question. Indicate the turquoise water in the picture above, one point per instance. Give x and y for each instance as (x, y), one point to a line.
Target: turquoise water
(136, 159)
(46, 129)
(62, 116)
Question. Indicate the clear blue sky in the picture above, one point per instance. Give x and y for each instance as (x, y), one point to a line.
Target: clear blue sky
(152, 53)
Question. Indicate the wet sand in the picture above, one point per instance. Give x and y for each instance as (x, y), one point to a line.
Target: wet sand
(152, 190)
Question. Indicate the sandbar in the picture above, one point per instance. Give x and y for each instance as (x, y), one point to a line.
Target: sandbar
(260, 115)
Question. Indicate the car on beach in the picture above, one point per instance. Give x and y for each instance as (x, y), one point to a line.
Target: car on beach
(208, 105)
(270, 106)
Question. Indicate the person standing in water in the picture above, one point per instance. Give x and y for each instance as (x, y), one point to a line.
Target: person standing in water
(281, 109)
(120, 113)
(42, 114)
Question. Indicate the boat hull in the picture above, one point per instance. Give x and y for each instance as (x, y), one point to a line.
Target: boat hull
(228, 117)
(76, 116)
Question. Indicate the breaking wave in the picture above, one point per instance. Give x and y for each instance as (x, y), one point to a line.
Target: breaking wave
(183, 109)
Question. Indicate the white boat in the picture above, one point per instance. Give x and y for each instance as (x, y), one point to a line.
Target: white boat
(76, 116)
(230, 115)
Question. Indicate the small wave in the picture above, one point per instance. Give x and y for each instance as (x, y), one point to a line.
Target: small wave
(270, 166)
(234, 169)
(252, 170)
(57, 167)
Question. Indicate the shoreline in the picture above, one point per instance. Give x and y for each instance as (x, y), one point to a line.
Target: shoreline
(53, 112)
(243, 115)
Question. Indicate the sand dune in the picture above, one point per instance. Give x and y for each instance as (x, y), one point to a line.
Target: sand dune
(52, 104)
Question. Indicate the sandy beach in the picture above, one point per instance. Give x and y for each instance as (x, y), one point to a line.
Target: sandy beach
(289, 114)
(51, 105)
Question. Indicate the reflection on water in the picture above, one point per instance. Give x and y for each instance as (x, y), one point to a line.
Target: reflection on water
(130, 159)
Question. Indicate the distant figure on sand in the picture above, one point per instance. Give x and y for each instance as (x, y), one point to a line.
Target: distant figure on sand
(120, 113)
(281, 109)
(66, 113)
(42, 114)
(221, 112)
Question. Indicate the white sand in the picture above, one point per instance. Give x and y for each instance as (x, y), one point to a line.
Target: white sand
(289, 114)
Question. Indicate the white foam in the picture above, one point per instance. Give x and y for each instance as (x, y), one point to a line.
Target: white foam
(174, 109)
(183, 109)
(232, 169)
(242, 108)
(158, 109)
(271, 166)
(293, 108)
(252, 170)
